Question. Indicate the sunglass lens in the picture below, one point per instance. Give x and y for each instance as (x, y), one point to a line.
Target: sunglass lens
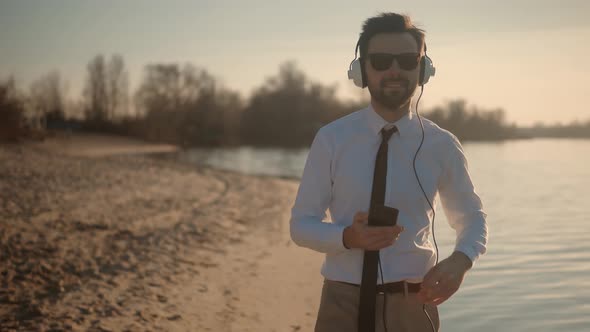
(381, 61)
(407, 61)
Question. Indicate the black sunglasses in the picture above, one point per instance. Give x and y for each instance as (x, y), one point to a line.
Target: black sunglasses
(383, 61)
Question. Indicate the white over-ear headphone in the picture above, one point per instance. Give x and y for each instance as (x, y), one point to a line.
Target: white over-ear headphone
(356, 73)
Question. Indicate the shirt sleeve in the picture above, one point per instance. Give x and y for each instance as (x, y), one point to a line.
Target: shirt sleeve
(461, 204)
(307, 226)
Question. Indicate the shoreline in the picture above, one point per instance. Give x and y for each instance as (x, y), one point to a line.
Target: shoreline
(173, 157)
(129, 242)
(97, 145)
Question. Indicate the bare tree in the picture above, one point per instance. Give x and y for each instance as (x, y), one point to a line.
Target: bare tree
(288, 109)
(168, 87)
(11, 111)
(95, 92)
(186, 105)
(117, 87)
(47, 95)
(471, 122)
(106, 91)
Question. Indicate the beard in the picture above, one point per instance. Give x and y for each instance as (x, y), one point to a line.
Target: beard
(392, 99)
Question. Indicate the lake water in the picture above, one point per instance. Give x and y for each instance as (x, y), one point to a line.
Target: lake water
(536, 273)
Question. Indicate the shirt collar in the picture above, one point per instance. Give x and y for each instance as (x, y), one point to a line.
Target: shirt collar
(376, 122)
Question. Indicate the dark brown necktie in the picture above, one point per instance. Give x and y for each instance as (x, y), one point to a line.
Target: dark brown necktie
(368, 295)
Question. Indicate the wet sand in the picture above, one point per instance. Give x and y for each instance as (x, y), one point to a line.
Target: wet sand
(94, 237)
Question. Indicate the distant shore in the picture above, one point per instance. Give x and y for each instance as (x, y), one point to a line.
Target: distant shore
(95, 235)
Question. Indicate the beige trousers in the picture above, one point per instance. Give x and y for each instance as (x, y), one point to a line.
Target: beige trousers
(338, 311)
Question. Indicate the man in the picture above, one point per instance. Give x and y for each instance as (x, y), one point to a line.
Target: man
(341, 174)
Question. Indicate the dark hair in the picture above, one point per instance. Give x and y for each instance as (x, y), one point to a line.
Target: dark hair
(388, 22)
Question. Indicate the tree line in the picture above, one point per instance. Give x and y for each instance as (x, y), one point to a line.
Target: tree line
(186, 105)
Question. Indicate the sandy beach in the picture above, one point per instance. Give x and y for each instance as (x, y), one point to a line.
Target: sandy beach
(95, 235)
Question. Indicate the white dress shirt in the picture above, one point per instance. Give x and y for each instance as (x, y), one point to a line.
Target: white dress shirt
(338, 176)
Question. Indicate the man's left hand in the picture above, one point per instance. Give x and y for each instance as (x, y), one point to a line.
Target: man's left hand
(444, 279)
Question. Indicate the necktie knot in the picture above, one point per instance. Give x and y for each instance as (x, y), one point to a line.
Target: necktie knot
(386, 133)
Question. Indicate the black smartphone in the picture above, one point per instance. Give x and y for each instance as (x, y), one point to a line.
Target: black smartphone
(382, 215)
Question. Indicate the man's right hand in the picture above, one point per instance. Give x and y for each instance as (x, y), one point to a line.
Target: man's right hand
(362, 236)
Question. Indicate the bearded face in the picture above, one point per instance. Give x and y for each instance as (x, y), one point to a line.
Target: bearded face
(392, 68)
(393, 93)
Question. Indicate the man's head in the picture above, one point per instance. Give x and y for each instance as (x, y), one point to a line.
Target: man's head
(390, 51)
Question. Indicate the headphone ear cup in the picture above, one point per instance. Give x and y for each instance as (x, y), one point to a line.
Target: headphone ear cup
(427, 70)
(422, 66)
(363, 72)
(355, 73)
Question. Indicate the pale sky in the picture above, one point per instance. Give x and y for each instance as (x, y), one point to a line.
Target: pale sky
(527, 57)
